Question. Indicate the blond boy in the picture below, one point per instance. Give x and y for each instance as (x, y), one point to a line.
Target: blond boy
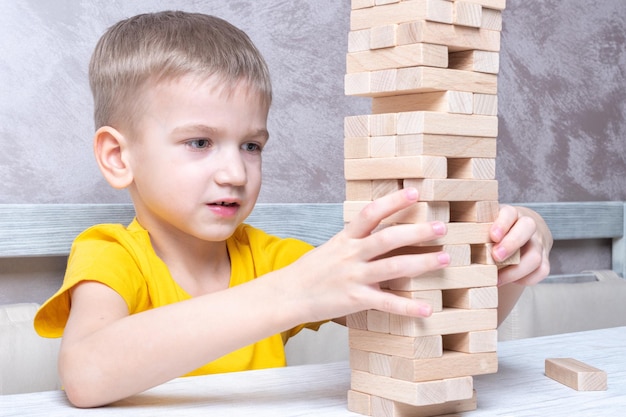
(181, 103)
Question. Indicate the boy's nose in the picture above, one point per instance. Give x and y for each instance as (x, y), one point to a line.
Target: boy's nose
(231, 170)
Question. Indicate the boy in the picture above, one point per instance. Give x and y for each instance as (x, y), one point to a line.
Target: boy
(181, 104)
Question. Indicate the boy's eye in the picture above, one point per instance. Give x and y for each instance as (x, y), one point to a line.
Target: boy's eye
(199, 143)
(252, 147)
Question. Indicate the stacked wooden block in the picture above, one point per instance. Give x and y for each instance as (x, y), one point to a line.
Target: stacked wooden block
(431, 68)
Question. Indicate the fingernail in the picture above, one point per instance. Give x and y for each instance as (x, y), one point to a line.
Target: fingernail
(425, 310)
(439, 228)
(500, 253)
(496, 232)
(410, 193)
(443, 258)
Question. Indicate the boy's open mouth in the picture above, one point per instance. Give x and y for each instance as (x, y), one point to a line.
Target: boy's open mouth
(224, 204)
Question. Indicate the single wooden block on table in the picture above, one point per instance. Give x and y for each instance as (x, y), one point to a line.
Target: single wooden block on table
(414, 393)
(394, 345)
(576, 374)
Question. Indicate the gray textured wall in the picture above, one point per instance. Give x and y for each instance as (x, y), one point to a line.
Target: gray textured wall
(561, 94)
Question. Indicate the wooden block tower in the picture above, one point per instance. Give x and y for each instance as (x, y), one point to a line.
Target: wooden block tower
(430, 67)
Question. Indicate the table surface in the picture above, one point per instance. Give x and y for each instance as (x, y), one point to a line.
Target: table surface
(519, 388)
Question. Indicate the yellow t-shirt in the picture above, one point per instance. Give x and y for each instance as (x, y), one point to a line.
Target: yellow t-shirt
(123, 259)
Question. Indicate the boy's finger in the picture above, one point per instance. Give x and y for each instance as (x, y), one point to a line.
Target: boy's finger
(400, 266)
(377, 210)
(399, 236)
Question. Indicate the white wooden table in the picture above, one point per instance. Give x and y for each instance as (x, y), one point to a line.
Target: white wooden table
(518, 389)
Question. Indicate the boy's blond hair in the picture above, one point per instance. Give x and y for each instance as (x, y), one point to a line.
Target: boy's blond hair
(154, 47)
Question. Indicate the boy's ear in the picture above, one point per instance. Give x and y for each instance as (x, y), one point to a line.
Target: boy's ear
(111, 151)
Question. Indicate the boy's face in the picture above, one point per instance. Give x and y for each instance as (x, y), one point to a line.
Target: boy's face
(196, 158)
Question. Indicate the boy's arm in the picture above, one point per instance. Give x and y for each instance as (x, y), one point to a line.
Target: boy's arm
(107, 355)
(520, 228)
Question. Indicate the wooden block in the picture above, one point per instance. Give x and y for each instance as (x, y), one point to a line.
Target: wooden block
(446, 145)
(382, 146)
(381, 188)
(395, 168)
(486, 104)
(359, 40)
(472, 168)
(432, 297)
(356, 126)
(361, 4)
(383, 407)
(449, 278)
(383, 124)
(359, 360)
(424, 79)
(437, 123)
(360, 190)
(576, 374)
(354, 147)
(359, 402)
(457, 38)
(481, 254)
(491, 4)
(480, 61)
(472, 342)
(381, 2)
(439, 101)
(397, 57)
(357, 321)
(379, 364)
(467, 14)
(403, 346)
(477, 211)
(492, 19)
(406, 11)
(416, 213)
(377, 321)
(418, 80)
(414, 393)
(460, 254)
(383, 36)
(459, 233)
(448, 321)
(471, 298)
(451, 365)
(454, 189)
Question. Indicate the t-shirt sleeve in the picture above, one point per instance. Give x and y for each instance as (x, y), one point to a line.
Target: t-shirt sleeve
(101, 254)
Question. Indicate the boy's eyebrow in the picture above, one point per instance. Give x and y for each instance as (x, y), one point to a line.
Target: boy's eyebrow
(209, 130)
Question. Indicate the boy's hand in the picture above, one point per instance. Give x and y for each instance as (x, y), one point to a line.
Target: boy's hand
(348, 269)
(521, 228)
